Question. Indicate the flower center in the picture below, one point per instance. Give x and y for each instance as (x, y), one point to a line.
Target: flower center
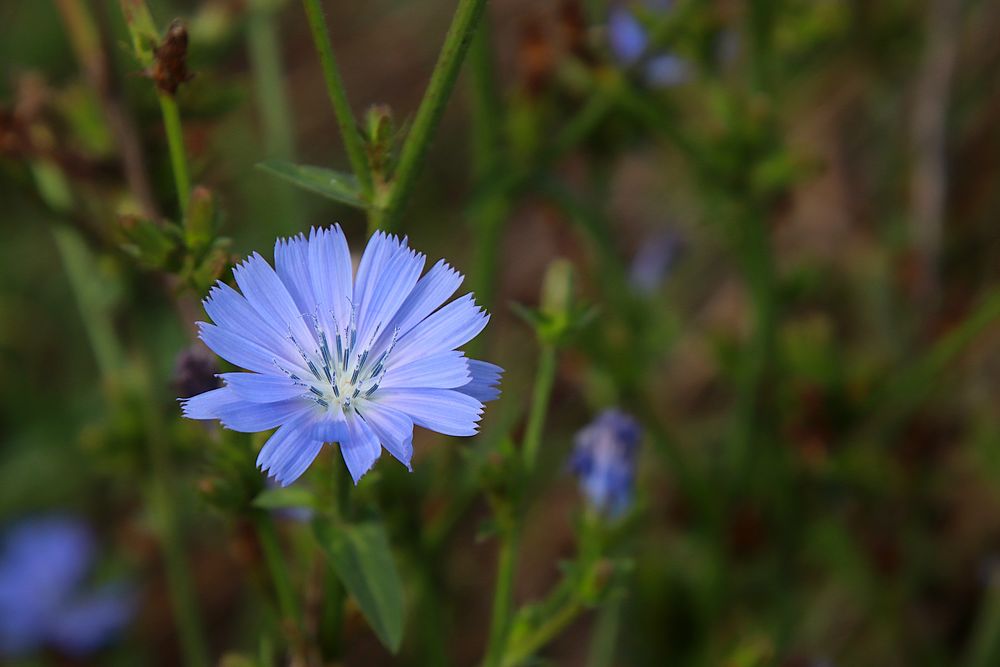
(339, 375)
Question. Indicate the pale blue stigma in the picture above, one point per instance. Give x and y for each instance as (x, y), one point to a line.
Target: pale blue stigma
(330, 377)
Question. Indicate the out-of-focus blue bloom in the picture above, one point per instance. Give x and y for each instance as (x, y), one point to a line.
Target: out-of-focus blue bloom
(334, 358)
(626, 36)
(629, 42)
(296, 514)
(604, 459)
(654, 260)
(43, 564)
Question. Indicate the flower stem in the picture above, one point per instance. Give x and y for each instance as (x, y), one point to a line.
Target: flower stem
(178, 574)
(78, 264)
(335, 605)
(984, 643)
(275, 559)
(503, 599)
(552, 626)
(489, 211)
(602, 644)
(272, 99)
(456, 43)
(163, 501)
(757, 359)
(142, 30)
(544, 378)
(93, 55)
(510, 526)
(338, 97)
(487, 114)
(175, 143)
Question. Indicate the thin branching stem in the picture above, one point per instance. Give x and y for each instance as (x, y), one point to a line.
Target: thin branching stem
(349, 133)
(503, 598)
(456, 43)
(175, 143)
(544, 378)
(276, 564)
(264, 50)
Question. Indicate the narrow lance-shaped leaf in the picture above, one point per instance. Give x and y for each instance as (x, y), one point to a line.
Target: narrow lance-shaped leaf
(360, 555)
(327, 182)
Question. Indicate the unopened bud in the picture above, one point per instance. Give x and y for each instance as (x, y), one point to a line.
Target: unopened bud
(557, 290)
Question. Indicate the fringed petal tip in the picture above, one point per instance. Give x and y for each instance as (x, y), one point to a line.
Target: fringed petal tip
(288, 453)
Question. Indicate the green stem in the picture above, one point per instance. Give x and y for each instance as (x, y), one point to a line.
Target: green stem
(272, 98)
(503, 599)
(660, 119)
(984, 642)
(432, 626)
(333, 615)
(545, 633)
(903, 391)
(353, 143)
(159, 495)
(544, 378)
(335, 605)
(602, 644)
(489, 216)
(96, 321)
(411, 158)
(510, 532)
(178, 574)
(760, 28)
(182, 585)
(489, 211)
(579, 127)
(275, 559)
(486, 112)
(162, 501)
(111, 360)
(758, 268)
(574, 132)
(175, 143)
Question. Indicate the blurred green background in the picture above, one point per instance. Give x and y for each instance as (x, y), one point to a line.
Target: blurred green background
(816, 359)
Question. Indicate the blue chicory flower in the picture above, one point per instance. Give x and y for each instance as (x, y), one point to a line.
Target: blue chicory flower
(604, 459)
(629, 41)
(654, 260)
(43, 564)
(335, 358)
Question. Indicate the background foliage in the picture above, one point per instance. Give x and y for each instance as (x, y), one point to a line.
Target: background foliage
(811, 344)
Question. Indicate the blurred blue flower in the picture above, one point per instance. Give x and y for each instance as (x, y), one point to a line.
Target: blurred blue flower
(629, 42)
(294, 514)
(604, 459)
(43, 564)
(654, 260)
(358, 361)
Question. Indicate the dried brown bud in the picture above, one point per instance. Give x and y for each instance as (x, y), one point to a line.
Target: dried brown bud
(535, 57)
(169, 70)
(11, 134)
(194, 371)
(574, 27)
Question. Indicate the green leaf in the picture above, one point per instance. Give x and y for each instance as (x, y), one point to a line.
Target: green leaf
(291, 497)
(327, 182)
(155, 245)
(360, 555)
